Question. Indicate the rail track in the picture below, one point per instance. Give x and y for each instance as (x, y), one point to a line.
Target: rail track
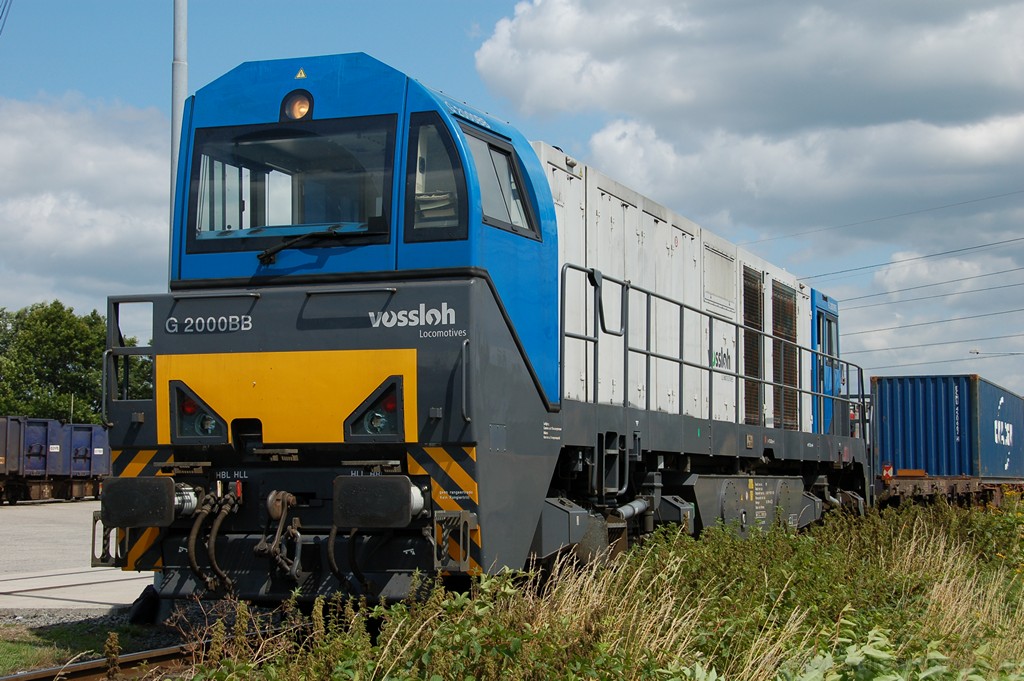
(128, 666)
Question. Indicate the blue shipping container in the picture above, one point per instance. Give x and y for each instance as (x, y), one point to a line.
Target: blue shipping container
(1002, 451)
(957, 425)
(88, 449)
(10, 446)
(42, 453)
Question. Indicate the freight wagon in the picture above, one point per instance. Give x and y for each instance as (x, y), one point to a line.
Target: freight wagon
(957, 436)
(45, 459)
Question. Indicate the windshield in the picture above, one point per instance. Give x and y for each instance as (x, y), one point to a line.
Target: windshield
(280, 181)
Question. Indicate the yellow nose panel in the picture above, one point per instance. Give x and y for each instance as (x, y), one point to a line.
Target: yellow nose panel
(298, 396)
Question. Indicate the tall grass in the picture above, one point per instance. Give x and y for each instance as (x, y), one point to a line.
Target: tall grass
(906, 594)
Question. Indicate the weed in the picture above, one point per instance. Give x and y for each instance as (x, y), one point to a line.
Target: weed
(910, 593)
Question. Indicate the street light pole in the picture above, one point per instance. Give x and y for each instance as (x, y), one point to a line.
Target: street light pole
(179, 85)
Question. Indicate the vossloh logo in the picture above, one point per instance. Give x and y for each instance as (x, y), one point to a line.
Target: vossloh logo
(421, 316)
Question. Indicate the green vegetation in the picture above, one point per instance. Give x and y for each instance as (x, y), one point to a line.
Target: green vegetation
(51, 361)
(23, 648)
(47, 355)
(913, 593)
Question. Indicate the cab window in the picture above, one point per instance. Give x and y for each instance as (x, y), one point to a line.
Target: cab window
(251, 184)
(503, 201)
(435, 205)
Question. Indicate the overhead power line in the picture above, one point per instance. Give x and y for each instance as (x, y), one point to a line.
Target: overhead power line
(883, 218)
(917, 257)
(937, 361)
(938, 295)
(928, 345)
(5, 10)
(937, 283)
(937, 321)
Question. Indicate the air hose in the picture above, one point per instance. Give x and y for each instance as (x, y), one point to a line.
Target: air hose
(228, 505)
(205, 508)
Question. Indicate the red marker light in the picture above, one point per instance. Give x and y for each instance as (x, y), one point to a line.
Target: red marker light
(189, 406)
(390, 403)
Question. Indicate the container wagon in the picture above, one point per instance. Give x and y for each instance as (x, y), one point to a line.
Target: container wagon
(957, 436)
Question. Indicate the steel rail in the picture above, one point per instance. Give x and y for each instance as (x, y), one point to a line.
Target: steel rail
(158, 658)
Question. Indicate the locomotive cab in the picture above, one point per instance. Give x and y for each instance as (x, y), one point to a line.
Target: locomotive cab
(359, 269)
(388, 177)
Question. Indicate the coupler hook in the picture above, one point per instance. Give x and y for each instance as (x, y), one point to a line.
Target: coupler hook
(278, 504)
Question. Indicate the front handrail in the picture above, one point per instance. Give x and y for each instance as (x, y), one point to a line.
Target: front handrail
(465, 382)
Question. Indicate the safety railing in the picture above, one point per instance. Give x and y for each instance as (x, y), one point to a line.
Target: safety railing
(127, 366)
(792, 396)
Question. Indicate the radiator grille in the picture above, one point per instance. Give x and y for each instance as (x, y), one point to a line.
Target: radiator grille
(784, 355)
(753, 316)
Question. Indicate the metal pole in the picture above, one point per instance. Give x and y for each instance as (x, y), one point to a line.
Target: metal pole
(179, 86)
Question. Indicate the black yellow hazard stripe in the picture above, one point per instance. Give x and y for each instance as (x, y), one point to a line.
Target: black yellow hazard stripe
(140, 548)
(143, 550)
(453, 487)
(135, 463)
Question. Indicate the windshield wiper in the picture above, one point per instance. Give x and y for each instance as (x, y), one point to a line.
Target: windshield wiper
(269, 256)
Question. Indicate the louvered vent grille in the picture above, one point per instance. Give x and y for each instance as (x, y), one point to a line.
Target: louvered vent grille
(753, 316)
(784, 362)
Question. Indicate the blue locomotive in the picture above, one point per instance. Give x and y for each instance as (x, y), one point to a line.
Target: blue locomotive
(399, 338)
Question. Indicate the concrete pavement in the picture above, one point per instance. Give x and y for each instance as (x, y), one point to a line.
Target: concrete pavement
(45, 553)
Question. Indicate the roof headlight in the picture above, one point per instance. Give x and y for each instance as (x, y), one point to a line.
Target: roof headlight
(297, 106)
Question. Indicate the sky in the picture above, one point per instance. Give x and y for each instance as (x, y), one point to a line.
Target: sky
(875, 149)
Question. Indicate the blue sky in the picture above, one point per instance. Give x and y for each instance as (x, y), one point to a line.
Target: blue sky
(121, 50)
(830, 136)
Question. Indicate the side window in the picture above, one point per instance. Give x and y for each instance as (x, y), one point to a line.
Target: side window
(828, 338)
(501, 190)
(435, 205)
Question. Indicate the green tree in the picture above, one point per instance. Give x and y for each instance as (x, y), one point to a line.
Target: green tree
(51, 362)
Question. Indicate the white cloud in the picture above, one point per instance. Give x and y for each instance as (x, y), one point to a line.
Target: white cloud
(873, 130)
(84, 205)
(756, 65)
(816, 178)
(588, 54)
(774, 119)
